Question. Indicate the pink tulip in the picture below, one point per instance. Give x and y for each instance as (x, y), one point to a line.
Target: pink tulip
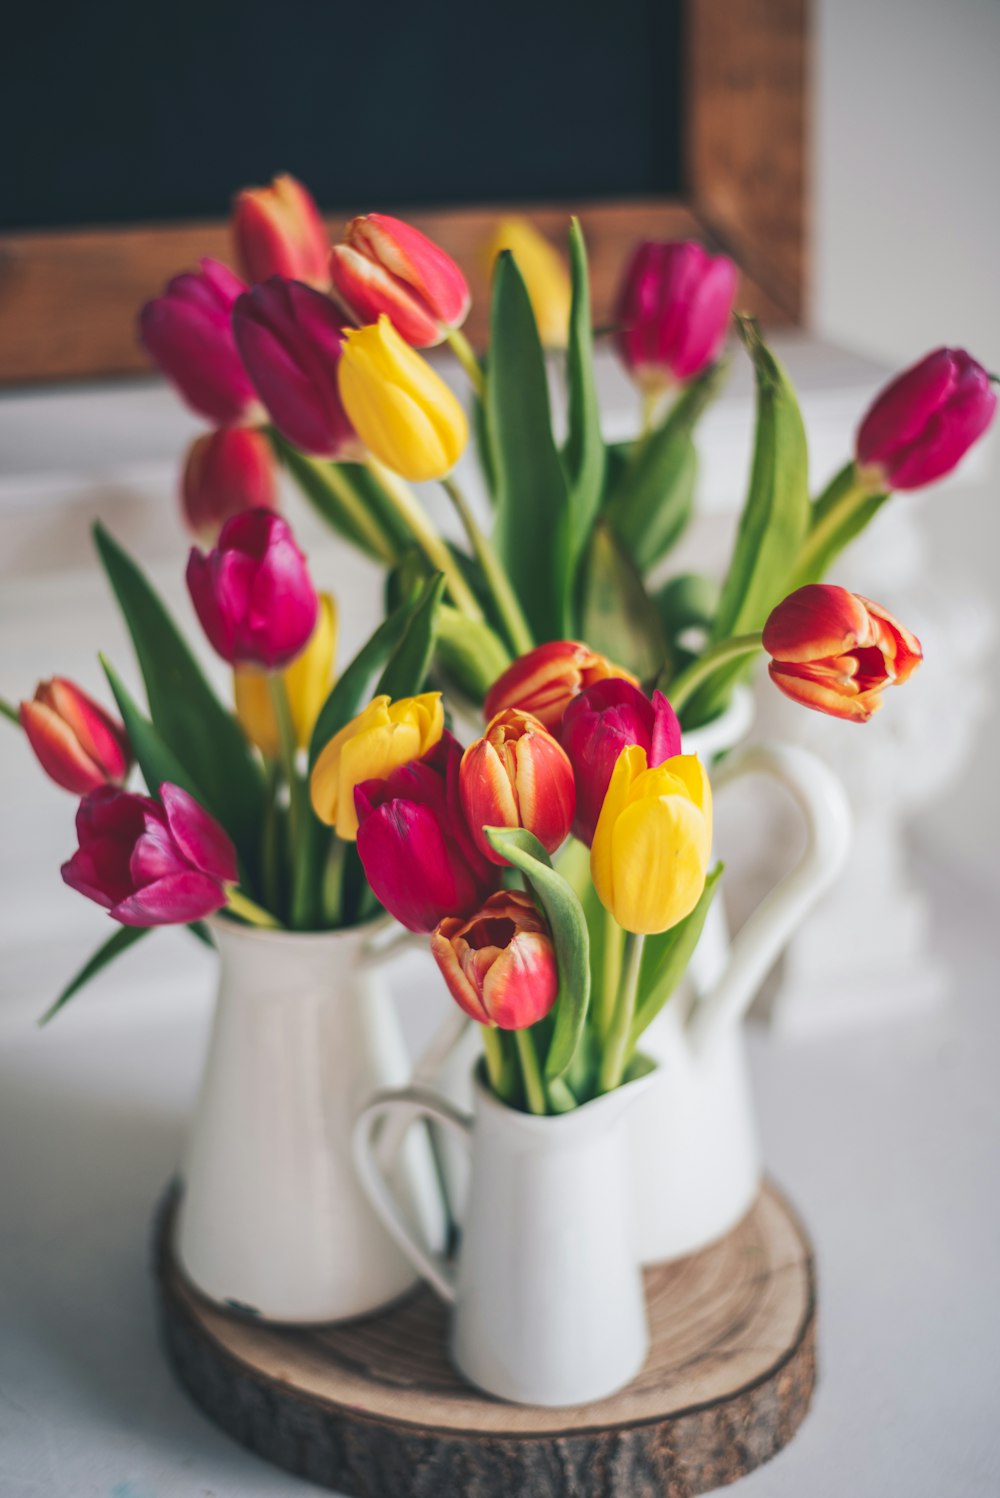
(188, 332)
(278, 231)
(386, 266)
(226, 472)
(147, 863)
(77, 743)
(499, 964)
(925, 421)
(598, 724)
(252, 593)
(516, 775)
(290, 339)
(673, 311)
(417, 853)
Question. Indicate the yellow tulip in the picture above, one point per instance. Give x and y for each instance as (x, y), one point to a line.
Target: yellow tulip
(544, 273)
(403, 412)
(384, 736)
(653, 841)
(307, 681)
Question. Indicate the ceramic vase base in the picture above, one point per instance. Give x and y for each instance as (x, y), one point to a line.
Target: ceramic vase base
(375, 1406)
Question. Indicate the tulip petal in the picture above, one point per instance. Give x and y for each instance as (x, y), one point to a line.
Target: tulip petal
(173, 901)
(522, 983)
(659, 863)
(198, 835)
(631, 763)
(58, 750)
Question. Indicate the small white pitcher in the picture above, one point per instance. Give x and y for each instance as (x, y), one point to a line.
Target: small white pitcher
(548, 1296)
(272, 1220)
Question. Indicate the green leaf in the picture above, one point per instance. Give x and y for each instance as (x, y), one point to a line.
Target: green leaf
(617, 616)
(407, 667)
(470, 653)
(584, 453)
(569, 935)
(123, 938)
(156, 761)
(191, 721)
(354, 683)
(665, 959)
(688, 601)
(531, 535)
(349, 499)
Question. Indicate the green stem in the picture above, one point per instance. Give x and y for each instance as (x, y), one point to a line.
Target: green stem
(464, 353)
(499, 584)
(611, 975)
(650, 406)
(333, 478)
(534, 1087)
(616, 1047)
(418, 522)
(298, 805)
(254, 914)
(498, 1067)
(9, 711)
(682, 689)
(840, 512)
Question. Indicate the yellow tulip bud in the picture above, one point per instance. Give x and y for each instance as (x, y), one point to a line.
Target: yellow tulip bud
(380, 739)
(307, 681)
(544, 273)
(653, 841)
(403, 412)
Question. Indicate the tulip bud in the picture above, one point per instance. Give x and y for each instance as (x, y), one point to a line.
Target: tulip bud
(188, 332)
(290, 340)
(597, 725)
(307, 685)
(516, 775)
(499, 964)
(544, 274)
(836, 652)
(673, 312)
(76, 742)
(226, 472)
(252, 593)
(386, 736)
(387, 266)
(545, 680)
(414, 844)
(925, 421)
(150, 863)
(403, 412)
(653, 841)
(277, 231)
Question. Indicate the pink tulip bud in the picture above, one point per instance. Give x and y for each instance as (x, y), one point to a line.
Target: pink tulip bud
(150, 863)
(277, 231)
(387, 266)
(290, 339)
(673, 311)
(225, 473)
(252, 593)
(545, 680)
(598, 724)
(188, 332)
(417, 853)
(516, 775)
(837, 652)
(499, 964)
(76, 742)
(925, 421)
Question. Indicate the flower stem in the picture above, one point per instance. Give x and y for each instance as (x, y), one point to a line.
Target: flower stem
(333, 478)
(514, 623)
(534, 1087)
(464, 353)
(839, 514)
(498, 1067)
(616, 1046)
(418, 522)
(682, 689)
(8, 710)
(650, 407)
(254, 914)
(611, 975)
(298, 807)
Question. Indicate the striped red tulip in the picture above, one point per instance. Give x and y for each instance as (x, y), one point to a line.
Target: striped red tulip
(225, 473)
(673, 312)
(517, 775)
(598, 724)
(77, 743)
(925, 421)
(277, 231)
(545, 680)
(386, 266)
(499, 964)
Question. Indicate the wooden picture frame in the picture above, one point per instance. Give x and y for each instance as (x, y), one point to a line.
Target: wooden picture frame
(68, 298)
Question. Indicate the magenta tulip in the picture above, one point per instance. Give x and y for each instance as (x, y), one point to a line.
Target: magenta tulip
(77, 743)
(925, 421)
(597, 725)
(673, 312)
(290, 339)
(253, 593)
(150, 863)
(188, 332)
(414, 844)
(225, 473)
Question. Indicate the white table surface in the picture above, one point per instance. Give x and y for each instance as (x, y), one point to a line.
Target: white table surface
(888, 1140)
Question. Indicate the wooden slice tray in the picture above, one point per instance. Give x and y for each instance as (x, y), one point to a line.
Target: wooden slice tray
(373, 1408)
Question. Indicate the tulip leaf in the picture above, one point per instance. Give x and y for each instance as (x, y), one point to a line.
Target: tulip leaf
(665, 959)
(617, 616)
(349, 498)
(584, 453)
(202, 734)
(406, 669)
(155, 758)
(119, 942)
(532, 531)
(470, 653)
(353, 685)
(569, 935)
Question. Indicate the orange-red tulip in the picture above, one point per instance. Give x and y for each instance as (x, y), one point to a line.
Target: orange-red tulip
(545, 680)
(76, 742)
(500, 964)
(385, 266)
(277, 231)
(517, 775)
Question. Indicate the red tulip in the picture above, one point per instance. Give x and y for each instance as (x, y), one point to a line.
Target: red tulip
(545, 680)
(836, 652)
(598, 724)
(253, 593)
(925, 421)
(387, 266)
(188, 331)
(414, 845)
(499, 964)
(673, 311)
(290, 339)
(147, 863)
(77, 743)
(516, 775)
(277, 231)
(225, 473)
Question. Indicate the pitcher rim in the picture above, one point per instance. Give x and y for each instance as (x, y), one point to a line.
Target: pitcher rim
(266, 936)
(550, 1123)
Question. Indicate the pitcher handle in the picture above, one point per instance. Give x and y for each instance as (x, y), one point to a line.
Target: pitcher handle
(405, 1106)
(824, 806)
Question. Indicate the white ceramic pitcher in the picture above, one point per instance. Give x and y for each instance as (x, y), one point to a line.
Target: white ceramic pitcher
(272, 1219)
(548, 1296)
